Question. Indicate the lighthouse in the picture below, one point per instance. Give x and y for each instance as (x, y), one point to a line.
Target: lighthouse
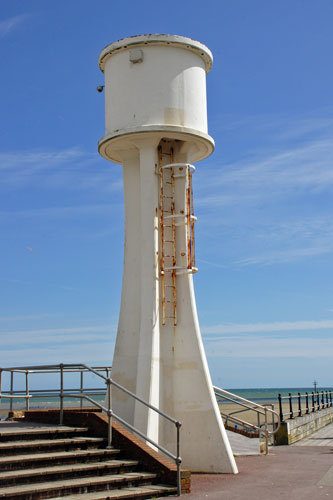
(156, 128)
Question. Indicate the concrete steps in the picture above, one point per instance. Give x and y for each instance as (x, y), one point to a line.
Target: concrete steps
(13, 447)
(54, 458)
(54, 462)
(139, 492)
(63, 471)
(12, 431)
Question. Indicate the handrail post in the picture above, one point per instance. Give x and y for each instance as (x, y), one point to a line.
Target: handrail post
(27, 402)
(109, 395)
(179, 481)
(61, 413)
(11, 390)
(318, 402)
(299, 405)
(313, 402)
(266, 433)
(307, 403)
(322, 400)
(291, 413)
(280, 407)
(81, 388)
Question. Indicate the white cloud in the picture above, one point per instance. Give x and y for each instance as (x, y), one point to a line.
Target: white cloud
(277, 127)
(274, 205)
(306, 126)
(278, 326)
(98, 354)
(60, 211)
(8, 25)
(285, 256)
(71, 168)
(40, 159)
(26, 317)
(49, 334)
(300, 169)
(263, 348)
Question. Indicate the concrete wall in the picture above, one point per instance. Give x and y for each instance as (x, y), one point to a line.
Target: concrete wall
(301, 427)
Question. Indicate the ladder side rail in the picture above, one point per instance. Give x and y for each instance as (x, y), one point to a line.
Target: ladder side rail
(174, 259)
(188, 220)
(162, 260)
(193, 219)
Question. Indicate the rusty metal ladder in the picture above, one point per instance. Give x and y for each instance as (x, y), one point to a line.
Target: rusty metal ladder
(169, 220)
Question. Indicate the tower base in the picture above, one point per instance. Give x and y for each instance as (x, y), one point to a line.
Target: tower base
(159, 354)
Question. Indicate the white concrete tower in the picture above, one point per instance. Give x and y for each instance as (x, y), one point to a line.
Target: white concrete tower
(156, 126)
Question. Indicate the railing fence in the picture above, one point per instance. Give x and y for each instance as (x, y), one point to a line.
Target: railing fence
(267, 418)
(85, 394)
(302, 404)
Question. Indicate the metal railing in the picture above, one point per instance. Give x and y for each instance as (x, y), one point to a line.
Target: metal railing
(27, 393)
(305, 403)
(266, 417)
(85, 394)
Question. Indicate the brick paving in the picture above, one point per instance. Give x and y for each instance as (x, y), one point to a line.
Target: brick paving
(288, 472)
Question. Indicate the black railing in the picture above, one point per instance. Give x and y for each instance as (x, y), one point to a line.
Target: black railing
(302, 404)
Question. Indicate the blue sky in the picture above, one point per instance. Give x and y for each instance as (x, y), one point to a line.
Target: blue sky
(264, 237)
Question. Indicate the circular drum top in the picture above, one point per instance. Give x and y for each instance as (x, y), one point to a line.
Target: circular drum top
(156, 39)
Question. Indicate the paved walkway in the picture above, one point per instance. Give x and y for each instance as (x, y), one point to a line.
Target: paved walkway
(323, 437)
(297, 472)
(242, 445)
(303, 471)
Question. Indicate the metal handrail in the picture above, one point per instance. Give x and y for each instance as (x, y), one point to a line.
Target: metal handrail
(252, 406)
(319, 401)
(246, 425)
(82, 394)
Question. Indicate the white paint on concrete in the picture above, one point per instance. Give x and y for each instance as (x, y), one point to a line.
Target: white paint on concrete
(327, 479)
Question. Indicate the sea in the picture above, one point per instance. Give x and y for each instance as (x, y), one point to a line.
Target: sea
(270, 395)
(257, 395)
